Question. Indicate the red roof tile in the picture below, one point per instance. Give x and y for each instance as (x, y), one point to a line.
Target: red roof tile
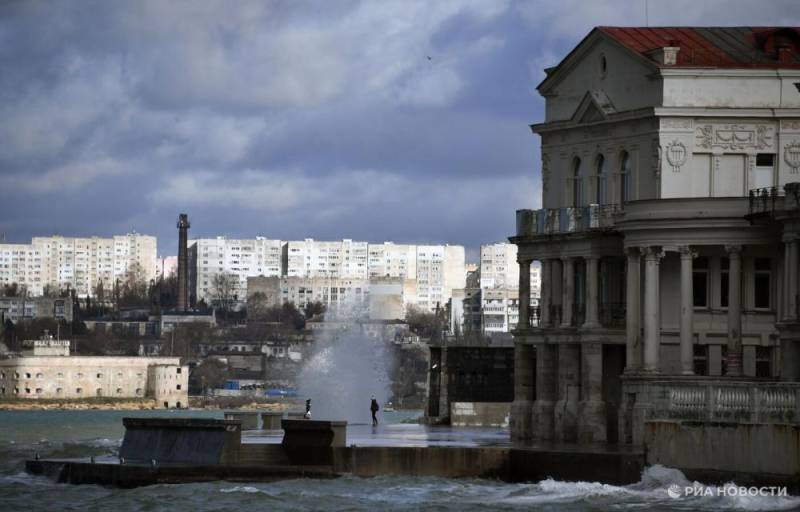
(718, 47)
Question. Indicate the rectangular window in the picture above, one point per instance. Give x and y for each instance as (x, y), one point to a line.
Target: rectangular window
(761, 286)
(700, 359)
(763, 361)
(765, 170)
(700, 282)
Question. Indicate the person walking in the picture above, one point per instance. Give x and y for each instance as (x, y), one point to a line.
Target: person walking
(374, 407)
(307, 415)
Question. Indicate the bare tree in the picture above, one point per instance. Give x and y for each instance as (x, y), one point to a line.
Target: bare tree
(257, 306)
(223, 291)
(134, 290)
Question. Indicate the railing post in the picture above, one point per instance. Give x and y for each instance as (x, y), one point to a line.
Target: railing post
(711, 401)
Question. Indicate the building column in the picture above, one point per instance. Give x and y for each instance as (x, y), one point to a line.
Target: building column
(568, 291)
(591, 321)
(633, 314)
(652, 329)
(523, 391)
(592, 417)
(791, 279)
(556, 297)
(524, 321)
(546, 386)
(734, 359)
(565, 416)
(687, 311)
(545, 301)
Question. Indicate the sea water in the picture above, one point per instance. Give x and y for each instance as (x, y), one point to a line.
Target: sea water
(84, 433)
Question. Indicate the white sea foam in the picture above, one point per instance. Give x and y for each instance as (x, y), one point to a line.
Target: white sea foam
(241, 488)
(345, 370)
(104, 442)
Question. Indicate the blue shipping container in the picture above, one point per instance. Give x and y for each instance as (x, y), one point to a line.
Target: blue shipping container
(288, 392)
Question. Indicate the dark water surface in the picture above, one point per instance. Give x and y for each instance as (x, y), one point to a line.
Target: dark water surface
(84, 433)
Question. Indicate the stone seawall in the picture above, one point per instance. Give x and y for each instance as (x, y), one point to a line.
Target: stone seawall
(720, 451)
(449, 462)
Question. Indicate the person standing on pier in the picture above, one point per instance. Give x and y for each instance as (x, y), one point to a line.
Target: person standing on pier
(374, 407)
(307, 415)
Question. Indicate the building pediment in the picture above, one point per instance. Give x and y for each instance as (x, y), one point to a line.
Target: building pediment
(595, 106)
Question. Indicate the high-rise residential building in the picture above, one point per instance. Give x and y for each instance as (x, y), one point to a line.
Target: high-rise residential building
(313, 258)
(77, 263)
(392, 260)
(236, 258)
(427, 273)
(440, 269)
(499, 268)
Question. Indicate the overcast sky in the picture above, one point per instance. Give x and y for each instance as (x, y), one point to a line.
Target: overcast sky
(376, 120)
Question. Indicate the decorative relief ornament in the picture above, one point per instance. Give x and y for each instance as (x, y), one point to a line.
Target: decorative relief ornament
(705, 136)
(676, 155)
(734, 137)
(791, 155)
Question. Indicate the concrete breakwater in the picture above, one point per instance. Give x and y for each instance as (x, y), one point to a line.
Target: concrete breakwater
(174, 450)
(181, 450)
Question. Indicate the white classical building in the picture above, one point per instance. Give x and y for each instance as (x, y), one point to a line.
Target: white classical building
(653, 260)
(78, 263)
(45, 370)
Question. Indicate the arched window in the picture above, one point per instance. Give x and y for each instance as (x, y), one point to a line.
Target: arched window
(577, 183)
(625, 177)
(601, 180)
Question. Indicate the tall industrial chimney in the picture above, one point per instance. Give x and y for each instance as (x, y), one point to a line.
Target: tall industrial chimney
(183, 263)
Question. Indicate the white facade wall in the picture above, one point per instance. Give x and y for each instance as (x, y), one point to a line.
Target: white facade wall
(73, 377)
(168, 385)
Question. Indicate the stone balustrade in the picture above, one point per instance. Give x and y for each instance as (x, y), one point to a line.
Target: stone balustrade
(548, 221)
(720, 400)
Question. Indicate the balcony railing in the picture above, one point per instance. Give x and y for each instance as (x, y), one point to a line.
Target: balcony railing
(547, 221)
(762, 200)
(534, 320)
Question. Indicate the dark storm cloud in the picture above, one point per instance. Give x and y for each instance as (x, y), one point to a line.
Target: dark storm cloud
(389, 120)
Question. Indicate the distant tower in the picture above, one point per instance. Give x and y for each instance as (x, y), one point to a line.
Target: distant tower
(183, 263)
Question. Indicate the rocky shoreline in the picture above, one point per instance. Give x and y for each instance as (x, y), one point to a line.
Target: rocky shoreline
(136, 405)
